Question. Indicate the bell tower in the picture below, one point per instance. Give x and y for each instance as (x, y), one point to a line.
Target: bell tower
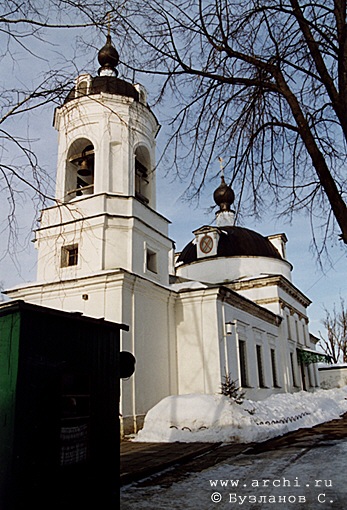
(105, 214)
(103, 249)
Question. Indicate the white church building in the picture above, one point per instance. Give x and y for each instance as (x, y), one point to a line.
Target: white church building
(224, 305)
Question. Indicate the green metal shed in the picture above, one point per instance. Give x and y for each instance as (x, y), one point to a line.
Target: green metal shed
(59, 407)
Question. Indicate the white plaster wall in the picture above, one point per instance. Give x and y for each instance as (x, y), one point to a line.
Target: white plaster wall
(110, 204)
(226, 269)
(109, 236)
(261, 292)
(280, 302)
(333, 377)
(259, 332)
(145, 239)
(154, 346)
(198, 356)
(87, 233)
(206, 353)
(254, 331)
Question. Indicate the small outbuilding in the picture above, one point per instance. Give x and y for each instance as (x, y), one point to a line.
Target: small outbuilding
(333, 376)
(59, 402)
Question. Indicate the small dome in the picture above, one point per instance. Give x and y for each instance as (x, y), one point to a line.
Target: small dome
(234, 242)
(107, 80)
(224, 196)
(108, 58)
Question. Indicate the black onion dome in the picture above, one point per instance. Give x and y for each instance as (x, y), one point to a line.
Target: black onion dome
(110, 85)
(108, 56)
(224, 196)
(107, 80)
(235, 242)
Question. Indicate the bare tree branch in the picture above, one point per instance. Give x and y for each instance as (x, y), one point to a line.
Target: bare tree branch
(282, 69)
(335, 342)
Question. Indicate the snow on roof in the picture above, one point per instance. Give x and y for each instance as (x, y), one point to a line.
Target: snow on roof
(331, 366)
(188, 285)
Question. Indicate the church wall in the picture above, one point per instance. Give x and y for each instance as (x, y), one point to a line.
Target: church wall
(224, 269)
(206, 352)
(253, 331)
(198, 357)
(265, 295)
(148, 216)
(288, 302)
(117, 243)
(268, 292)
(152, 341)
(87, 234)
(104, 241)
(147, 243)
(85, 295)
(287, 348)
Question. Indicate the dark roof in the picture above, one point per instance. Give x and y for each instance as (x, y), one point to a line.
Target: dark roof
(235, 242)
(19, 305)
(110, 85)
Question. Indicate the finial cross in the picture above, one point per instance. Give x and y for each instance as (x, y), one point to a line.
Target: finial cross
(221, 160)
(108, 23)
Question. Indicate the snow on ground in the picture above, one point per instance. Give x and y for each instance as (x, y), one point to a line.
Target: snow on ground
(285, 479)
(217, 418)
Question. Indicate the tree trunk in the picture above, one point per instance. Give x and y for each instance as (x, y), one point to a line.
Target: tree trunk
(326, 180)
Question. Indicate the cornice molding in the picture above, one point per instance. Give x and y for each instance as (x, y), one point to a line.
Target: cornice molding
(283, 304)
(233, 298)
(278, 280)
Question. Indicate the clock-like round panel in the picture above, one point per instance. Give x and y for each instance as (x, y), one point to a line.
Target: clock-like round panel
(206, 244)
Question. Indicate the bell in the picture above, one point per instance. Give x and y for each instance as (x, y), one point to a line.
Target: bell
(84, 169)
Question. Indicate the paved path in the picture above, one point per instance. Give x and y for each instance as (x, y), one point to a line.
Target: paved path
(287, 469)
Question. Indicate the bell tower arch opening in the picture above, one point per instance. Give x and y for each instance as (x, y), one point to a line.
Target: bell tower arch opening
(143, 175)
(79, 174)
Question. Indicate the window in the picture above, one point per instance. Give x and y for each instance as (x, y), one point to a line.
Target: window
(151, 261)
(260, 367)
(83, 84)
(293, 369)
(243, 363)
(297, 331)
(274, 368)
(82, 88)
(288, 326)
(69, 255)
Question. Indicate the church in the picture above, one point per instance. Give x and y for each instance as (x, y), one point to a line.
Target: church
(224, 306)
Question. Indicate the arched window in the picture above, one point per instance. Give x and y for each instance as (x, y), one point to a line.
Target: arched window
(83, 85)
(82, 88)
(80, 169)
